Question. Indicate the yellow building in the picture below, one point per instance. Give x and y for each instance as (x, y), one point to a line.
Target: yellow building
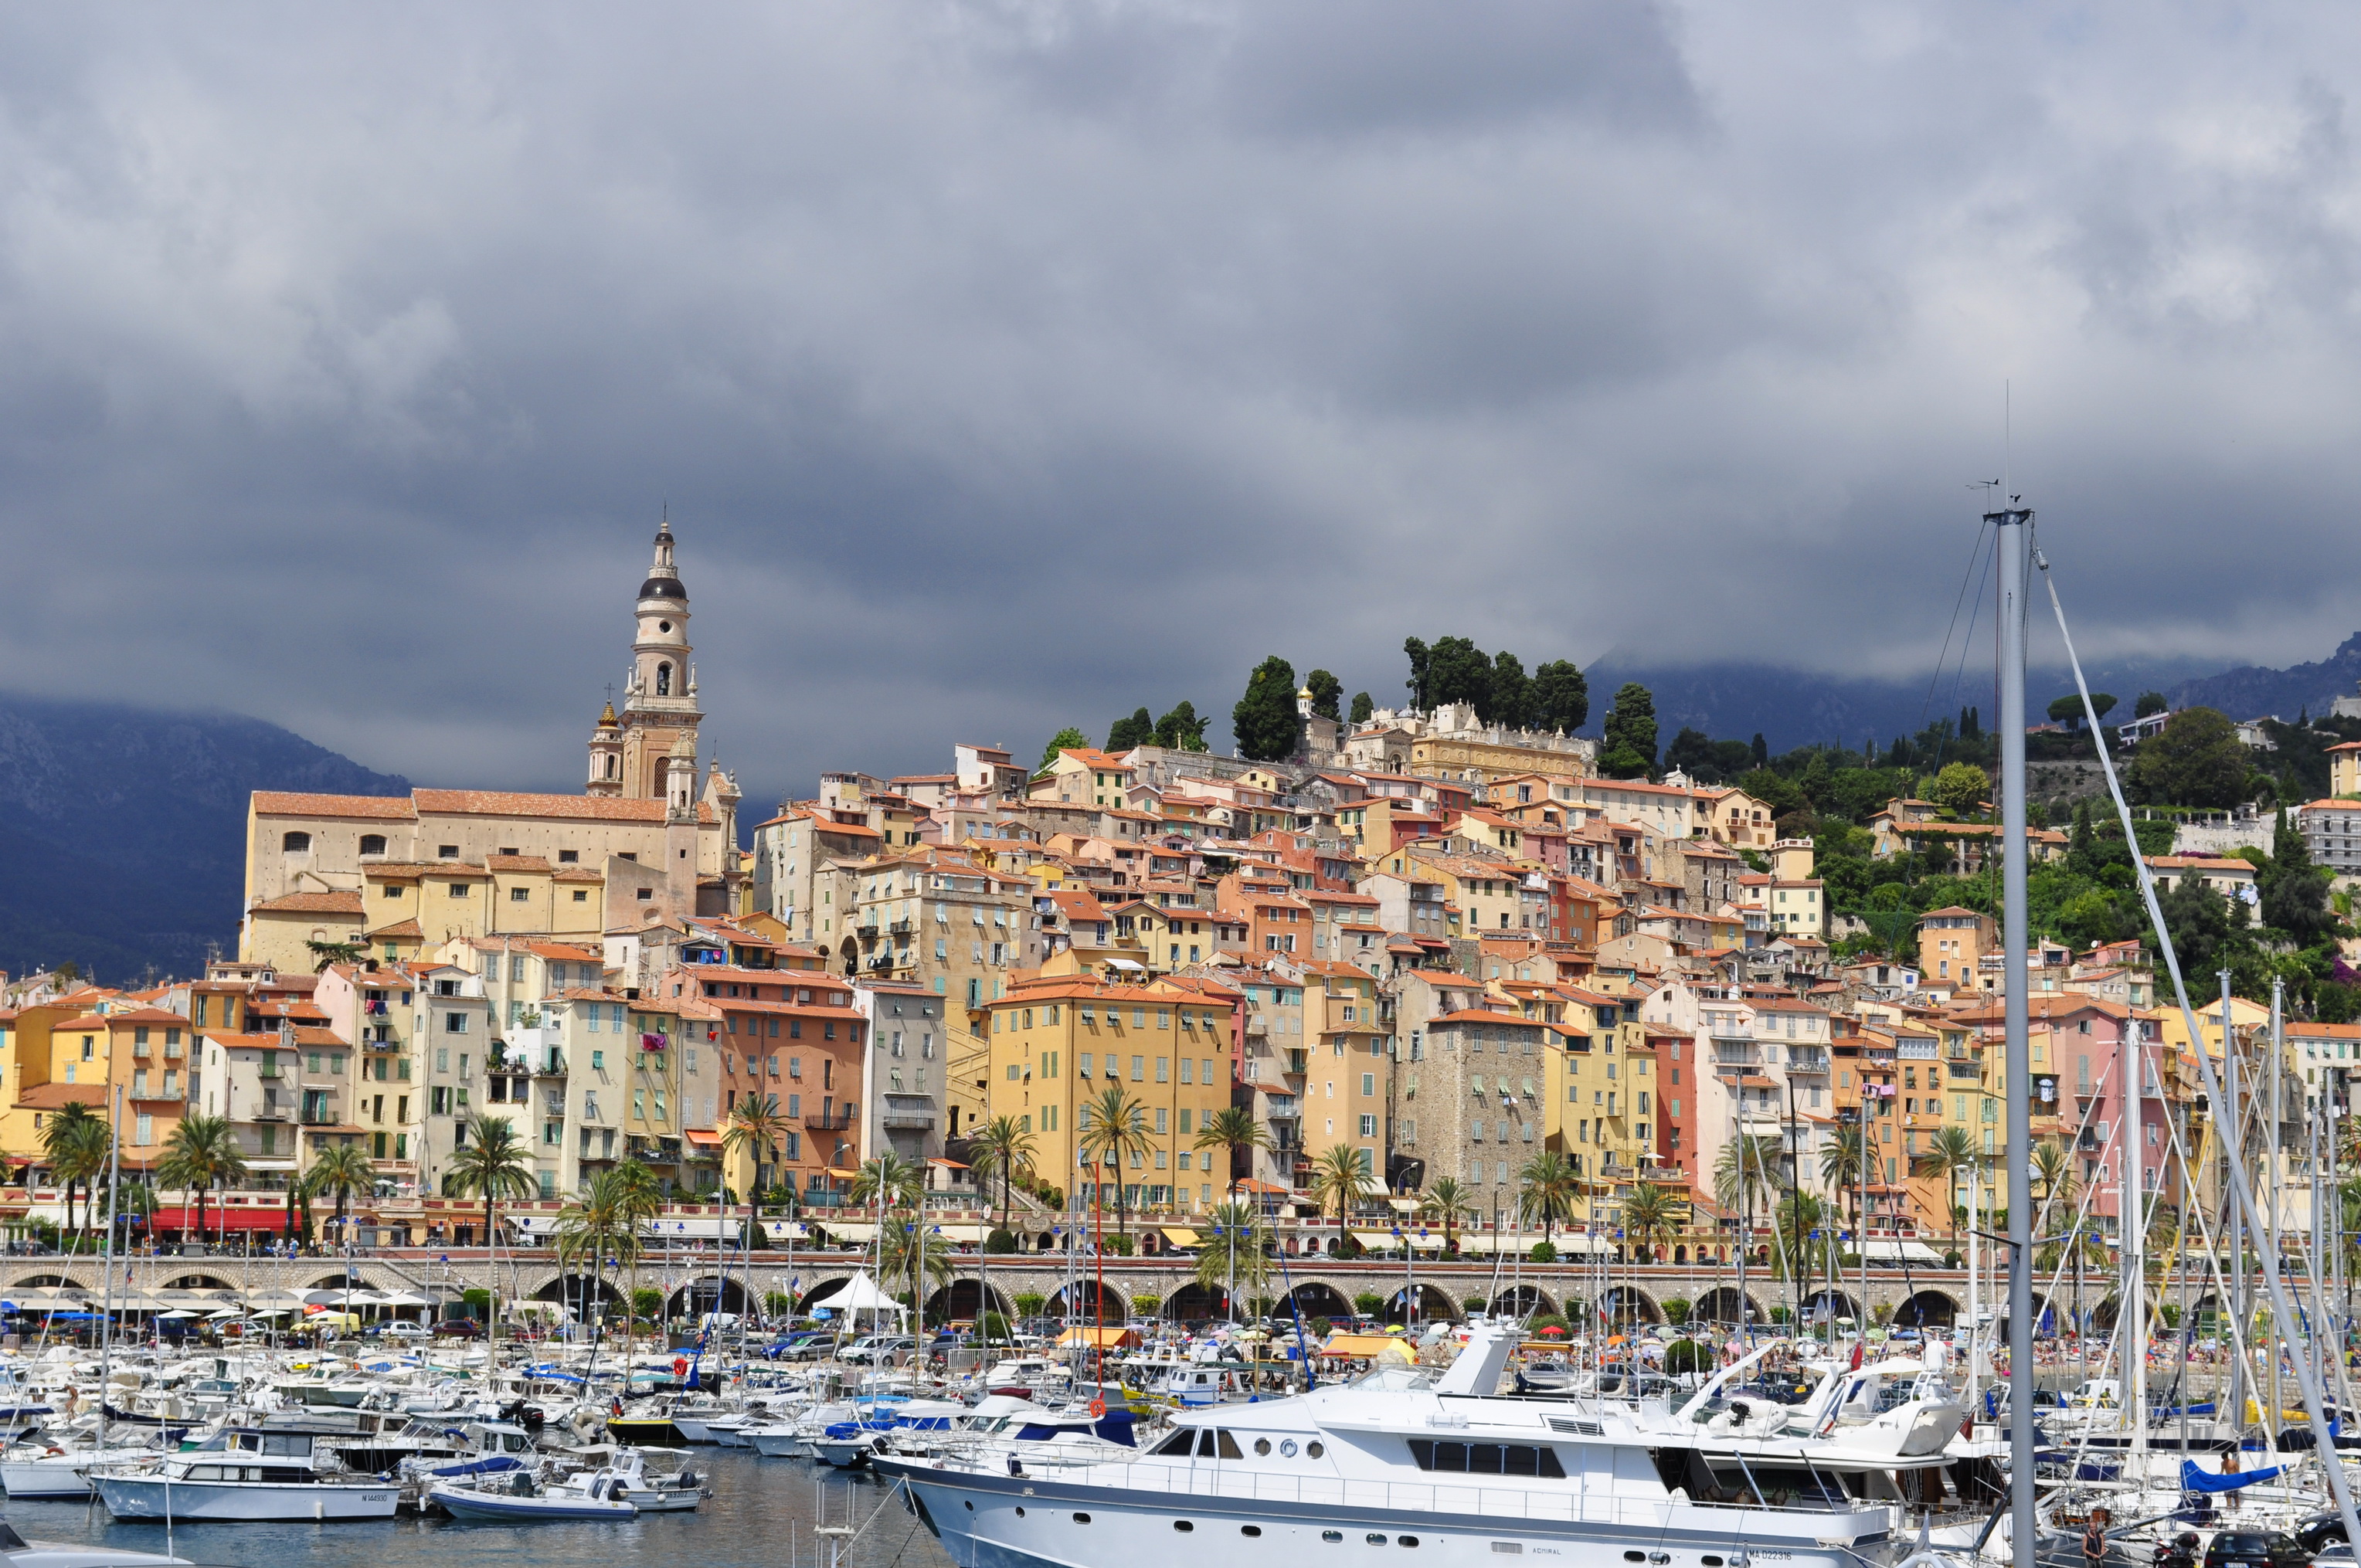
(1058, 1043)
(1348, 1085)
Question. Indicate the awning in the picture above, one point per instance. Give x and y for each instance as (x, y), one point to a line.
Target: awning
(694, 1227)
(852, 1231)
(217, 1219)
(1100, 1338)
(702, 1137)
(1431, 1242)
(841, 1174)
(1897, 1249)
(1265, 1189)
(973, 1236)
(1180, 1235)
(1377, 1241)
(1402, 1205)
(1360, 1344)
(533, 1227)
(1126, 963)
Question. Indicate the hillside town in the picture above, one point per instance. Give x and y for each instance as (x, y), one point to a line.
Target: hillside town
(1416, 977)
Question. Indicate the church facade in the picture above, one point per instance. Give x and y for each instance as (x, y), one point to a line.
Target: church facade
(648, 840)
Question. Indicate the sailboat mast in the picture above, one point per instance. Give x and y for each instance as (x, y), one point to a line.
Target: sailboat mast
(2011, 527)
(2131, 1220)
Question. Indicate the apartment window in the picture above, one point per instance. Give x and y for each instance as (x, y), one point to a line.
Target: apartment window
(454, 1023)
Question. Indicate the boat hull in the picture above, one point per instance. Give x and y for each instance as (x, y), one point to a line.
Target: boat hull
(989, 1521)
(149, 1498)
(30, 1480)
(461, 1503)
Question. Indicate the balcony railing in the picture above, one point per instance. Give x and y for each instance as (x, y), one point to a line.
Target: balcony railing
(830, 1121)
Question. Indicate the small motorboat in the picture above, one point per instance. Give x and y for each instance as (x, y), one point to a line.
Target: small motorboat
(520, 1497)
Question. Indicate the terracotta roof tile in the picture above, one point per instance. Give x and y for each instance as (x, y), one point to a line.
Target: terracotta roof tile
(310, 904)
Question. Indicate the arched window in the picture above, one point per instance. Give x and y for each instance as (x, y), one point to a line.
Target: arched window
(664, 680)
(295, 843)
(614, 764)
(372, 843)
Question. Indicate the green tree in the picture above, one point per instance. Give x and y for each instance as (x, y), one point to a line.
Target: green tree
(199, 1152)
(1233, 1258)
(1510, 701)
(1110, 1133)
(886, 1176)
(339, 1170)
(1138, 729)
(2196, 759)
(599, 1224)
(912, 1252)
(1560, 698)
(1950, 1151)
(1327, 693)
(1363, 708)
(1747, 1168)
(1180, 729)
(1447, 1197)
(1653, 1215)
(1420, 658)
(1457, 671)
(1233, 1129)
(1340, 1180)
(493, 1161)
(1264, 721)
(1960, 788)
(1002, 1148)
(2149, 701)
(2068, 709)
(74, 1145)
(1547, 1189)
(2201, 922)
(327, 953)
(1629, 748)
(754, 1126)
(1067, 739)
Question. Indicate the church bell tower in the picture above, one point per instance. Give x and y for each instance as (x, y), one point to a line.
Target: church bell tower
(633, 753)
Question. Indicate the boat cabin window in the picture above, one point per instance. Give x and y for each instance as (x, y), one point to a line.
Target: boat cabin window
(1485, 1458)
(1182, 1443)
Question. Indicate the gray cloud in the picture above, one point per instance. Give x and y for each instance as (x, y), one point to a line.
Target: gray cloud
(1012, 365)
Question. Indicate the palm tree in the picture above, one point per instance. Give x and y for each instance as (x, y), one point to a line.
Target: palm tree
(1546, 1186)
(1652, 1214)
(74, 1157)
(1841, 1165)
(339, 1170)
(1339, 1178)
(1002, 1148)
(1950, 1151)
(1234, 1259)
(1111, 1130)
(1800, 1213)
(492, 1161)
(642, 1199)
(602, 1222)
(2053, 1170)
(888, 1176)
(1232, 1127)
(756, 1124)
(1445, 1196)
(911, 1250)
(200, 1151)
(1744, 1170)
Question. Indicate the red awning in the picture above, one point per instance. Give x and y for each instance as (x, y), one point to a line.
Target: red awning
(702, 1136)
(218, 1220)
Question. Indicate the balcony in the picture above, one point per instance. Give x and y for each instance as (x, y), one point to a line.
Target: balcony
(908, 1112)
(1727, 1054)
(1806, 1059)
(1296, 1062)
(830, 1121)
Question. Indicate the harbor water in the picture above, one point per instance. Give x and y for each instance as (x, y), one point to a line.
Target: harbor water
(759, 1510)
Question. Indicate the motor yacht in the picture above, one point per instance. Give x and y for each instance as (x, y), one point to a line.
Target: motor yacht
(247, 1475)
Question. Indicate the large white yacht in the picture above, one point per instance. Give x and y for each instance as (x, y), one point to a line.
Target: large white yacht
(1444, 1467)
(247, 1475)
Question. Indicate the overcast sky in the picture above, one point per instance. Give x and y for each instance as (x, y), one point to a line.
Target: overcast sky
(1006, 366)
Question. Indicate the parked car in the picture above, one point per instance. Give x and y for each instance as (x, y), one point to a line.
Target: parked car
(2255, 1548)
(459, 1328)
(403, 1328)
(874, 1349)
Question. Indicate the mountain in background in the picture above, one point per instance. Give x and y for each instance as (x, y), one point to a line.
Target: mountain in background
(123, 831)
(2252, 692)
(1791, 708)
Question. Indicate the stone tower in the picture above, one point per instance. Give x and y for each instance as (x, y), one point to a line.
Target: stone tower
(634, 754)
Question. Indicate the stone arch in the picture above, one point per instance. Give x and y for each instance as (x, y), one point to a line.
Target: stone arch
(1628, 1304)
(337, 1282)
(964, 1297)
(1314, 1299)
(1719, 1305)
(1111, 1303)
(1519, 1301)
(1926, 1310)
(46, 1281)
(1195, 1300)
(198, 1282)
(1434, 1304)
(575, 1292)
(1839, 1303)
(708, 1293)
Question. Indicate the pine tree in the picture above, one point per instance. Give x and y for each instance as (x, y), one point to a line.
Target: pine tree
(1457, 671)
(1362, 707)
(1180, 729)
(1510, 701)
(1327, 693)
(1419, 660)
(1629, 749)
(1137, 730)
(1559, 698)
(1762, 752)
(1264, 722)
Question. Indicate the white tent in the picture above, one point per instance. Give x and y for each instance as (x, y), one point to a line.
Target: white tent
(861, 1294)
(1899, 1250)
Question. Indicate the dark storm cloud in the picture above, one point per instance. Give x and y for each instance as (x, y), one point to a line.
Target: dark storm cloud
(1012, 365)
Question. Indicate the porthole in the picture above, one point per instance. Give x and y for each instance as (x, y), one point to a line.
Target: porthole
(1082, 1518)
(1375, 1539)
(1020, 1511)
(1405, 1540)
(1635, 1557)
(1660, 1557)
(1249, 1530)
(1314, 1449)
(1332, 1535)
(664, 626)
(1287, 1447)
(1710, 1561)
(1262, 1445)
(968, 1506)
(1184, 1525)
